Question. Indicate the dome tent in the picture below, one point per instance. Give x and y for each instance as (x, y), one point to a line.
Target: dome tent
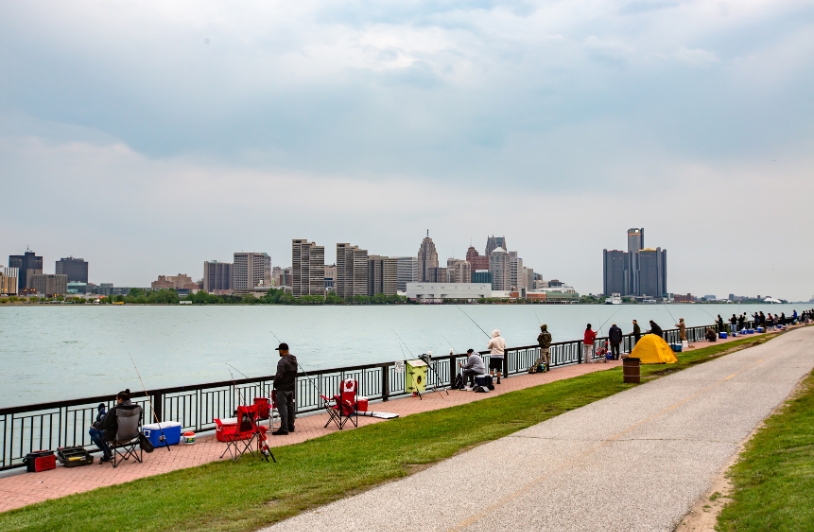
(652, 349)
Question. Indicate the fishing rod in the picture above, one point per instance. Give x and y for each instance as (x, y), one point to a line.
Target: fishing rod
(275, 337)
(450, 343)
(160, 429)
(539, 321)
(607, 320)
(668, 312)
(473, 321)
(239, 393)
(403, 342)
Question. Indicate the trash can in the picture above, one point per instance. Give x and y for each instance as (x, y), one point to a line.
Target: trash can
(415, 376)
(631, 370)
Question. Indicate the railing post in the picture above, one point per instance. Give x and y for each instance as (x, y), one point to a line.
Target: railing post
(505, 362)
(158, 400)
(385, 383)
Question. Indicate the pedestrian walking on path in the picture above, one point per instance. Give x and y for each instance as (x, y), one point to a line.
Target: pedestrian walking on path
(544, 341)
(615, 336)
(496, 346)
(284, 384)
(588, 343)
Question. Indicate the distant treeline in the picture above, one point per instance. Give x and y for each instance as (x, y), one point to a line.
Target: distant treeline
(280, 297)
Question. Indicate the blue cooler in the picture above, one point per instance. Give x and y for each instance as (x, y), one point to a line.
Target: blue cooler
(171, 429)
(722, 335)
(676, 347)
(760, 329)
(750, 331)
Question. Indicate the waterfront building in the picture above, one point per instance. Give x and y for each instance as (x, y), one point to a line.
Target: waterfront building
(8, 281)
(351, 271)
(427, 258)
(49, 284)
(516, 278)
(528, 274)
(248, 270)
(330, 278)
(614, 267)
(28, 265)
(482, 276)
(181, 281)
(500, 268)
(217, 277)
(77, 287)
(407, 272)
(382, 275)
(635, 243)
(75, 269)
(308, 267)
(459, 271)
(493, 242)
(478, 262)
(653, 272)
(429, 292)
(625, 272)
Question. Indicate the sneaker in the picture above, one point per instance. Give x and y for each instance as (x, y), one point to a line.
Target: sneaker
(105, 459)
(280, 432)
(290, 429)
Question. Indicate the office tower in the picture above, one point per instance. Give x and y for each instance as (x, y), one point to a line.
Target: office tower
(407, 272)
(500, 268)
(516, 279)
(653, 272)
(459, 271)
(635, 242)
(75, 269)
(351, 271)
(382, 275)
(437, 275)
(49, 284)
(528, 274)
(308, 267)
(482, 276)
(28, 264)
(250, 269)
(330, 278)
(217, 277)
(8, 281)
(181, 281)
(478, 262)
(493, 242)
(427, 258)
(614, 268)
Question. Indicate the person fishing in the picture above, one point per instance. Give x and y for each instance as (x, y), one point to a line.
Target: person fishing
(105, 429)
(733, 324)
(637, 332)
(615, 336)
(720, 323)
(284, 382)
(588, 343)
(496, 346)
(655, 329)
(474, 366)
(544, 341)
(682, 330)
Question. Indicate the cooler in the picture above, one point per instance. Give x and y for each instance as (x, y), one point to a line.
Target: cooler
(361, 403)
(760, 329)
(676, 347)
(37, 461)
(483, 380)
(171, 429)
(750, 331)
(722, 335)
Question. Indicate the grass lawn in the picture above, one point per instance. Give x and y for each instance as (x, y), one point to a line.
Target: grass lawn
(774, 480)
(250, 494)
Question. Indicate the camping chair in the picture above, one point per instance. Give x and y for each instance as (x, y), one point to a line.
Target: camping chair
(243, 436)
(343, 407)
(128, 431)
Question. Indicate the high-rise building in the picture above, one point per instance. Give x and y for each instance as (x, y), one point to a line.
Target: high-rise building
(75, 269)
(478, 262)
(500, 268)
(351, 271)
(217, 277)
(250, 269)
(437, 275)
(49, 284)
(382, 275)
(459, 271)
(635, 243)
(308, 267)
(427, 258)
(528, 274)
(181, 281)
(8, 281)
(330, 278)
(28, 265)
(482, 276)
(517, 281)
(653, 272)
(493, 242)
(407, 272)
(614, 267)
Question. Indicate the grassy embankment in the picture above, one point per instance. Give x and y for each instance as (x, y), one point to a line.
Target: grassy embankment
(773, 482)
(251, 493)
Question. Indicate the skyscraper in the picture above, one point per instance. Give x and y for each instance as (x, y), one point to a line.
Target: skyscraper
(249, 269)
(653, 272)
(308, 267)
(641, 271)
(500, 268)
(8, 281)
(635, 242)
(351, 271)
(478, 262)
(75, 269)
(614, 269)
(493, 242)
(217, 277)
(427, 258)
(516, 279)
(407, 272)
(459, 271)
(382, 275)
(28, 265)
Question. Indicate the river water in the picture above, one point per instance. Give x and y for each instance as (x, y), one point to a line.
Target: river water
(49, 353)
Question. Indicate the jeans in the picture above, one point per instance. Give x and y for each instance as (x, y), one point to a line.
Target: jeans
(98, 438)
(285, 405)
(615, 350)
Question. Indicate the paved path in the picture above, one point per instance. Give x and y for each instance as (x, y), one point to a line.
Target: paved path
(634, 461)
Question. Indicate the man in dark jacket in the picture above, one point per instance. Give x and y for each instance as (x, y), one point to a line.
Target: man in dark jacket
(284, 382)
(655, 329)
(615, 336)
(637, 331)
(105, 430)
(544, 341)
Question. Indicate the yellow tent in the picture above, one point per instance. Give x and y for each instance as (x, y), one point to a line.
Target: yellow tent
(652, 349)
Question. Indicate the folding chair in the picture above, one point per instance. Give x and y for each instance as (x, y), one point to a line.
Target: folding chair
(343, 407)
(245, 435)
(128, 430)
(268, 410)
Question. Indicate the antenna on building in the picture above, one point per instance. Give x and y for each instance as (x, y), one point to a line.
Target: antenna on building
(428, 233)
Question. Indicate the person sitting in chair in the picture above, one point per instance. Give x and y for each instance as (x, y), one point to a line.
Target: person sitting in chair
(105, 430)
(474, 366)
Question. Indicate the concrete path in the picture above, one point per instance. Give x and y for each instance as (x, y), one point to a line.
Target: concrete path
(634, 461)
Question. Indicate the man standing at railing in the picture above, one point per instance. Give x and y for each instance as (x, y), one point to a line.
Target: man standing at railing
(588, 344)
(615, 336)
(284, 382)
(544, 340)
(637, 333)
(497, 347)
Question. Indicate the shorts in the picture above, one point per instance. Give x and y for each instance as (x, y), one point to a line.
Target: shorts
(496, 364)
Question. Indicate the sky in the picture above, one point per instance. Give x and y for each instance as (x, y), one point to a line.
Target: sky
(148, 137)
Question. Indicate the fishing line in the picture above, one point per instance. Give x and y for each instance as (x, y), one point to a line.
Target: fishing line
(473, 321)
(607, 320)
(275, 337)
(239, 393)
(160, 429)
(668, 312)
(403, 342)
(450, 343)
(539, 321)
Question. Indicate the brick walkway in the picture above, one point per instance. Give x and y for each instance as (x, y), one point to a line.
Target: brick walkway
(24, 489)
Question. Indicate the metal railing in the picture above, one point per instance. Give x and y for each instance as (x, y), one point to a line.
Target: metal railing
(24, 429)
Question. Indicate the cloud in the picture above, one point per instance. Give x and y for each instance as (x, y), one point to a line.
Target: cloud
(698, 57)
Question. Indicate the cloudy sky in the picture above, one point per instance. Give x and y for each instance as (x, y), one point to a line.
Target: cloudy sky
(150, 136)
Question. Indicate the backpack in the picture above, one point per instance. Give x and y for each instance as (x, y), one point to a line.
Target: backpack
(458, 383)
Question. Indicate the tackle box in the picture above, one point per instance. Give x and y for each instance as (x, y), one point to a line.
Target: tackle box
(38, 461)
(74, 456)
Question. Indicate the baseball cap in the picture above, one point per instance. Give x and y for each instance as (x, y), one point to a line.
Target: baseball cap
(282, 347)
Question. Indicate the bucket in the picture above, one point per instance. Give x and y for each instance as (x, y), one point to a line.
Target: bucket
(189, 437)
(631, 370)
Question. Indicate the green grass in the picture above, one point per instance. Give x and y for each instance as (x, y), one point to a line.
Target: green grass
(249, 494)
(773, 482)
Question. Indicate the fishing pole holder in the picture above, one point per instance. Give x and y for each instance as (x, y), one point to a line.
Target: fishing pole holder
(427, 358)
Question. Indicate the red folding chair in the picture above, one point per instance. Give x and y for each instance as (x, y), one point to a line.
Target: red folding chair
(247, 435)
(343, 407)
